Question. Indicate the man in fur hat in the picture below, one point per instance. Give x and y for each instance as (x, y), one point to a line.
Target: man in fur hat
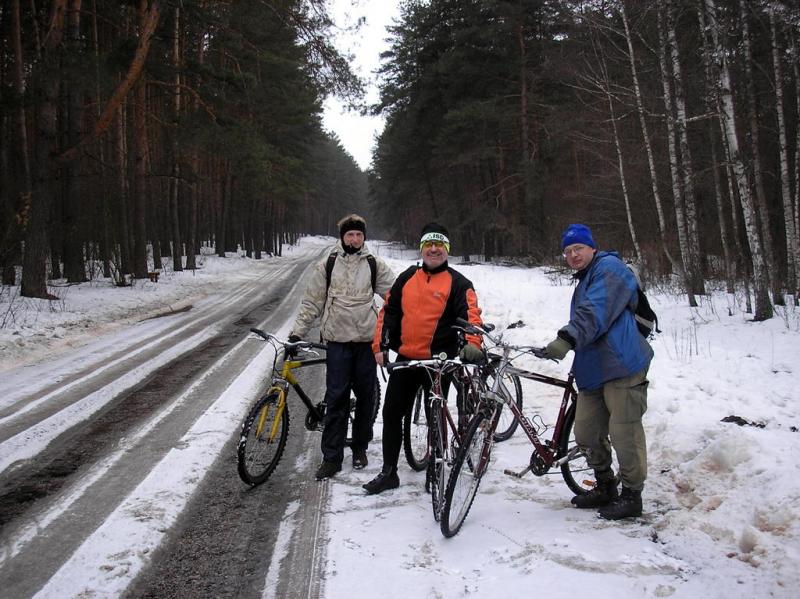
(342, 292)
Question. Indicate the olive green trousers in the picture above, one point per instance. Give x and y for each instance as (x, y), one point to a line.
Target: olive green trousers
(615, 411)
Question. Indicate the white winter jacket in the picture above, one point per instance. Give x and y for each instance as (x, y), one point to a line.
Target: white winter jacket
(349, 312)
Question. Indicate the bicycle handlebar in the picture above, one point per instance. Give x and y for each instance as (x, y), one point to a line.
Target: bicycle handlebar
(485, 331)
(432, 364)
(290, 347)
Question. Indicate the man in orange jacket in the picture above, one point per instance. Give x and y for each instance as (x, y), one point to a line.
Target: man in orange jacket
(417, 321)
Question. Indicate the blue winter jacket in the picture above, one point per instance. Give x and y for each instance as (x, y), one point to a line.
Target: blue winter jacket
(601, 328)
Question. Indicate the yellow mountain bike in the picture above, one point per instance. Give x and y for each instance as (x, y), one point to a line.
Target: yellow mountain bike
(265, 430)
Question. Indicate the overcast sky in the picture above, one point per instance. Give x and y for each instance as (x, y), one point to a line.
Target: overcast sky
(357, 133)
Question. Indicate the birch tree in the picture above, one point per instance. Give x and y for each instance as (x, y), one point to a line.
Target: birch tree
(763, 307)
(685, 165)
(792, 250)
(761, 205)
(711, 103)
(621, 165)
(677, 267)
(795, 56)
(674, 168)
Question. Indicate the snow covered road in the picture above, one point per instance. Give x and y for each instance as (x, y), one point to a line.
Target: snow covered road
(141, 496)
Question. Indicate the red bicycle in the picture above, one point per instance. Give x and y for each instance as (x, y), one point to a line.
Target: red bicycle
(559, 452)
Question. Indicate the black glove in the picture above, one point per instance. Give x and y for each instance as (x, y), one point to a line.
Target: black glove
(557, 349)
(470, 354)
(294, 338)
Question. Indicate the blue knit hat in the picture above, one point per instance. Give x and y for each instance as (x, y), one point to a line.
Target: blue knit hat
(577, 233)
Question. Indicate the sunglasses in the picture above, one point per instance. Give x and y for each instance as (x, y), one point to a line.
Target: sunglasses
(426, 245)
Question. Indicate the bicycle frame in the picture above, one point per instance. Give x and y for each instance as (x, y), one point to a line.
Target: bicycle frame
(287, 376)
(546, 450)
(438, 401)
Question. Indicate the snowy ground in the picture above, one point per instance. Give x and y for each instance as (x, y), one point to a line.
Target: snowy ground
(721, 503)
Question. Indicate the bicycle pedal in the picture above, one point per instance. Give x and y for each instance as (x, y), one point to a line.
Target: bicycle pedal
(519, 474)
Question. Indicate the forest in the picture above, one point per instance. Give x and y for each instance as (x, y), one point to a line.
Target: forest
(134, 133)
(670, 127)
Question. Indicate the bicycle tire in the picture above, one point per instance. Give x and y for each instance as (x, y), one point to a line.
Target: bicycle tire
(415, 432)
(463, 482)
(507, 424)
(376, 405)
(263, 439)
(437, 462)
(577, 473)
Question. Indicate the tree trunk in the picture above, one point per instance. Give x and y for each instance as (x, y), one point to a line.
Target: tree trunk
(18, 208)
(792, 251)
(621, 167)
(222, 209)
(177, 257)
(677, 190)
(648, 147)
(761, 206)
(795, 54)
(125, 246)
(34, 264)
(763, 308)
(686, 169)
(139, 182)
(74, 260)
(709, 103)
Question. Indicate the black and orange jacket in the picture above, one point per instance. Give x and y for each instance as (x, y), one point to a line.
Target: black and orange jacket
(420, 310)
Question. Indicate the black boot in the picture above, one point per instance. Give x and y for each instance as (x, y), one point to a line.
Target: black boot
(629, 505)
(383, 482)
(603, 494)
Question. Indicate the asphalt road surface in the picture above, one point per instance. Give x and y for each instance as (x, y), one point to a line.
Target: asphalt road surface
(228, 541)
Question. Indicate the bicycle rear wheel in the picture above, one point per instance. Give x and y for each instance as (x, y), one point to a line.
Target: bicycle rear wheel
(263, 439)
(576, 471)
(415, 432)
(511, 386)
(437, 463)
(462, 485)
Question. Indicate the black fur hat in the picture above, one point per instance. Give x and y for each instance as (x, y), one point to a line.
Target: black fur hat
(352, 222)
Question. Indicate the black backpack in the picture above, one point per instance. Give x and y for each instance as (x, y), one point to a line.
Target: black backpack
(645, 316)
(646, 319)
(373, 270)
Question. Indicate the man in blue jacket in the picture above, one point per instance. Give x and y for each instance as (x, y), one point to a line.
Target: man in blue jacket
(611, 363)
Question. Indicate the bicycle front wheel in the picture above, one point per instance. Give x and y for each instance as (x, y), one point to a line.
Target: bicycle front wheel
(511, 387)
(462, 485)
(437, 463)
(576, 471)
(415, 432)
(264, 435)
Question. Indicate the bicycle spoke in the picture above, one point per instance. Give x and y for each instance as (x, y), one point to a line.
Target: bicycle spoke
(264, 434)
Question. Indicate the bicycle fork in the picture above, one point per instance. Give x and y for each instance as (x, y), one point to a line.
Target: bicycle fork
(262, 418)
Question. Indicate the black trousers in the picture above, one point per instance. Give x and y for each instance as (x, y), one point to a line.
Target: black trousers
(349, 366)
(400, 393)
